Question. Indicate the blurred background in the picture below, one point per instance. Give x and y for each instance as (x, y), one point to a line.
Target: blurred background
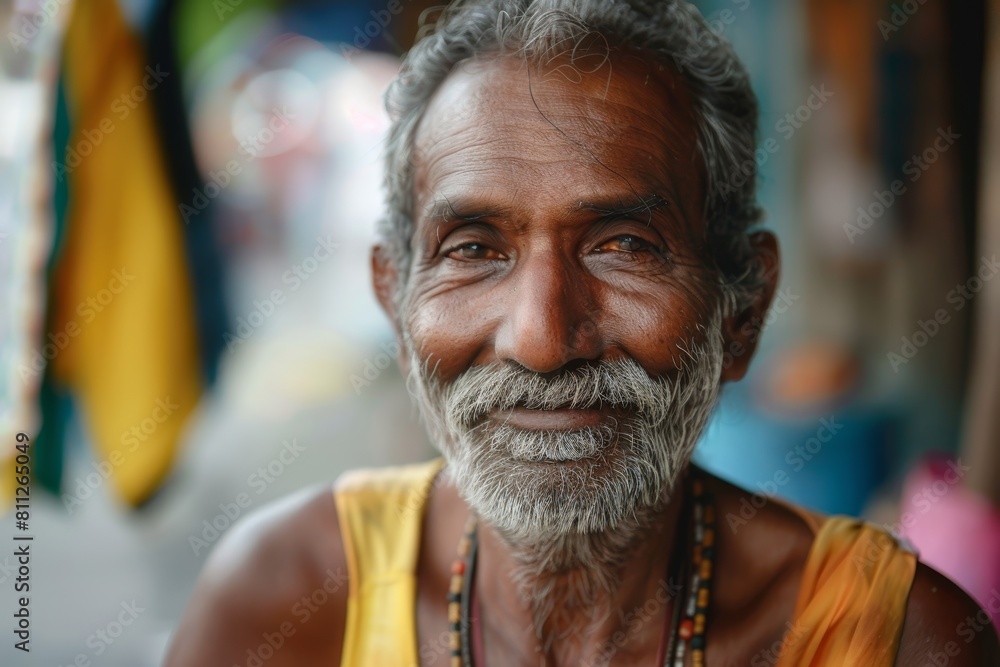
(188, 193)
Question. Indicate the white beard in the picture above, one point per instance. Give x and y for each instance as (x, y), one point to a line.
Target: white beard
(571, 505)
(533, 485)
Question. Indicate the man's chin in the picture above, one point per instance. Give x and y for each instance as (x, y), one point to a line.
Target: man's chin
(546, 497)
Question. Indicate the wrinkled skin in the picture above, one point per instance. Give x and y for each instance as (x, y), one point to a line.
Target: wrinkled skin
(534, 243)
(563, 263)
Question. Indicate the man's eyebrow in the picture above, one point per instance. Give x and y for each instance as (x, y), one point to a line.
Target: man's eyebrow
(623, 207)
(444, 210)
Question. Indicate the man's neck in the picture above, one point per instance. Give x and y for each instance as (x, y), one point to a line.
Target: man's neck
(581, 598)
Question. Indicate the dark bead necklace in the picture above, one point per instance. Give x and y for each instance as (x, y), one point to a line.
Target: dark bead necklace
(687, 635)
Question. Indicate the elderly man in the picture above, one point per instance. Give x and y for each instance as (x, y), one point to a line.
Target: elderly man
(569, 264)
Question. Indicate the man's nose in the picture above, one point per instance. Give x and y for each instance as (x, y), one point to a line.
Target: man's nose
(550, 316)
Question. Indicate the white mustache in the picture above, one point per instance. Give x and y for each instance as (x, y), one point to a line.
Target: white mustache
(621, 384)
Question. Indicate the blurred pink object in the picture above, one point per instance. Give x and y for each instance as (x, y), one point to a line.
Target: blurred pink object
(955, 531)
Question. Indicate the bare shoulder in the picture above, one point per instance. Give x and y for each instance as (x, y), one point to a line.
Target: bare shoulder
(275, 587)
(762, 550)
(944, 626)
(776, 539)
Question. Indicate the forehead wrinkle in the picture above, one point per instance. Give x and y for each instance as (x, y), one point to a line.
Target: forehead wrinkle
(653, 136)
(634, 90)
(477, 176)
(576, 169)
(474, 154)
(505, 138)
(490, 131)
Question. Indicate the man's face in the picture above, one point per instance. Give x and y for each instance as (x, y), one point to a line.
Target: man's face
(561, 313)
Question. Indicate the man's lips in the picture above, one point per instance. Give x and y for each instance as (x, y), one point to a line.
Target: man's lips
(560, 419)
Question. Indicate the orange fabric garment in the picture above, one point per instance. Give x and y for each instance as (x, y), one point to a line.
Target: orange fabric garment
(852, 598)
(850, 607)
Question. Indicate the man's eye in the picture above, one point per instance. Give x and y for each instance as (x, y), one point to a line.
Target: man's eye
(474, 251)
(627, 243)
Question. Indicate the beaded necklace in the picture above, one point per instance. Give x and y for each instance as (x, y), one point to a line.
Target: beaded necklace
(688, 634)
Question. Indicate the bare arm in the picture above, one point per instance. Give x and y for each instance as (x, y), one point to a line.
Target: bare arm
(275, 588)
(944, 626)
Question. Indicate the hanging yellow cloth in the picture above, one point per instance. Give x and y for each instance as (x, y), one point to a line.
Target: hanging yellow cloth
(122, 291)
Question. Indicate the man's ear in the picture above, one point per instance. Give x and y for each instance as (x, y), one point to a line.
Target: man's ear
(741, 331)
(385, 280)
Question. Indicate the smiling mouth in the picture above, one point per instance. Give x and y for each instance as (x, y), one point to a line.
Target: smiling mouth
(559, 419)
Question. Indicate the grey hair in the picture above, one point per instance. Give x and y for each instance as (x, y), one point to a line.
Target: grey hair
(672, 31)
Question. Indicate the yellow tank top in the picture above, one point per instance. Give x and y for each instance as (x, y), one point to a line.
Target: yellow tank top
(850, 608)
